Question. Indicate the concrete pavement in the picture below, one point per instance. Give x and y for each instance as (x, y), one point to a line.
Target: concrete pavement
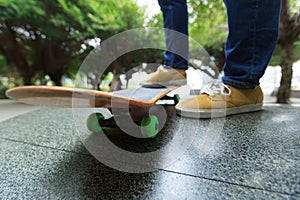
(254, 156)
(11, 108)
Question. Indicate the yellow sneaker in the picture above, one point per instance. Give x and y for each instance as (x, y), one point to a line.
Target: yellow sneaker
(219, 100)
(166, 77)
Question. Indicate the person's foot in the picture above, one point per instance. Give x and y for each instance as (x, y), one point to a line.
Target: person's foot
(219, 100)
(166, 77)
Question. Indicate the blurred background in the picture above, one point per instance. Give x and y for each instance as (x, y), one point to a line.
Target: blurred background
(45, 42)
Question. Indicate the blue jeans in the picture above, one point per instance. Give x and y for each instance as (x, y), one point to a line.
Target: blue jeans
(253, 30)
(175, 18)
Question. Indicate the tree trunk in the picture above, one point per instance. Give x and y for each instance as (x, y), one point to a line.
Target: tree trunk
(27, 80)
(94, 81)
(27, 76)
(287, 59)
(56, 78)
(116, 83)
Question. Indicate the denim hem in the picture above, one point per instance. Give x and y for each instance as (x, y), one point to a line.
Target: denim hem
(181, 67)
(239, 84)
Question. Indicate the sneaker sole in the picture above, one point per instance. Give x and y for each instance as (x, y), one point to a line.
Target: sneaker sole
(163, 84)
(215, 113)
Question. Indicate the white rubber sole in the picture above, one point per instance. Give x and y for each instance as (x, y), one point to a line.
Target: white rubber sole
(163, 84)
(215, 113)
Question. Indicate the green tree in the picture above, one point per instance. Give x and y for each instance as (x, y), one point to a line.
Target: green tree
(123, 54)
(207, 26)
(53, 37)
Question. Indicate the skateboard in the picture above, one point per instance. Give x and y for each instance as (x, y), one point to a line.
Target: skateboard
(135, 103)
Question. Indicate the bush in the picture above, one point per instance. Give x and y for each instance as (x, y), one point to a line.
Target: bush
(2, 93)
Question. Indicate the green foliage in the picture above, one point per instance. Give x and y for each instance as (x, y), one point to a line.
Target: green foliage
(208, 22)
(275, 60)
(207, 28)
(294, 6)
(297, 50)
(53, 37)
(3, 66)
(156, 21)
(2, 93)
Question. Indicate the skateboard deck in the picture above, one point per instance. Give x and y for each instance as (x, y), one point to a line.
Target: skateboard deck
(54, 96)
(135, 103)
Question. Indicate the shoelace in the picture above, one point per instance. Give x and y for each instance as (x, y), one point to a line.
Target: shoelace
(216, 87)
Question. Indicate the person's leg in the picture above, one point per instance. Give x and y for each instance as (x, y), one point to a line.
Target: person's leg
(253, 31)
(175, 18)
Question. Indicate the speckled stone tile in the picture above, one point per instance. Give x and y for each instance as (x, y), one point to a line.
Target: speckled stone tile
(260, 150)
(253, 154)
(35, 172)
(51, 127)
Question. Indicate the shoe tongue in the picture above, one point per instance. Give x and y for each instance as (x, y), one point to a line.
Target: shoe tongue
(166, 68)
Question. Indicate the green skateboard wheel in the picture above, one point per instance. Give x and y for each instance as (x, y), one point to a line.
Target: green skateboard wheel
(92, 122)
(149, 126)
(176, 99)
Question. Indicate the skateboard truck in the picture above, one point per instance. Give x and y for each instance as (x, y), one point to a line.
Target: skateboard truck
(148, 123)
(146, 120)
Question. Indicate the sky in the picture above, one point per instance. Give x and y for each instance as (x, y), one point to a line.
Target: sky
(152, 6)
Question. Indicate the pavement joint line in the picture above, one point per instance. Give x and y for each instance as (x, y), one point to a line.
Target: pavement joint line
(57, 149)
(231, 183)
(164, 170)
(43, 146)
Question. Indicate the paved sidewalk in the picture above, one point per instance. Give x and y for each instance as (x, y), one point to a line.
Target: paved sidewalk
(254, 156)
(11, 108)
